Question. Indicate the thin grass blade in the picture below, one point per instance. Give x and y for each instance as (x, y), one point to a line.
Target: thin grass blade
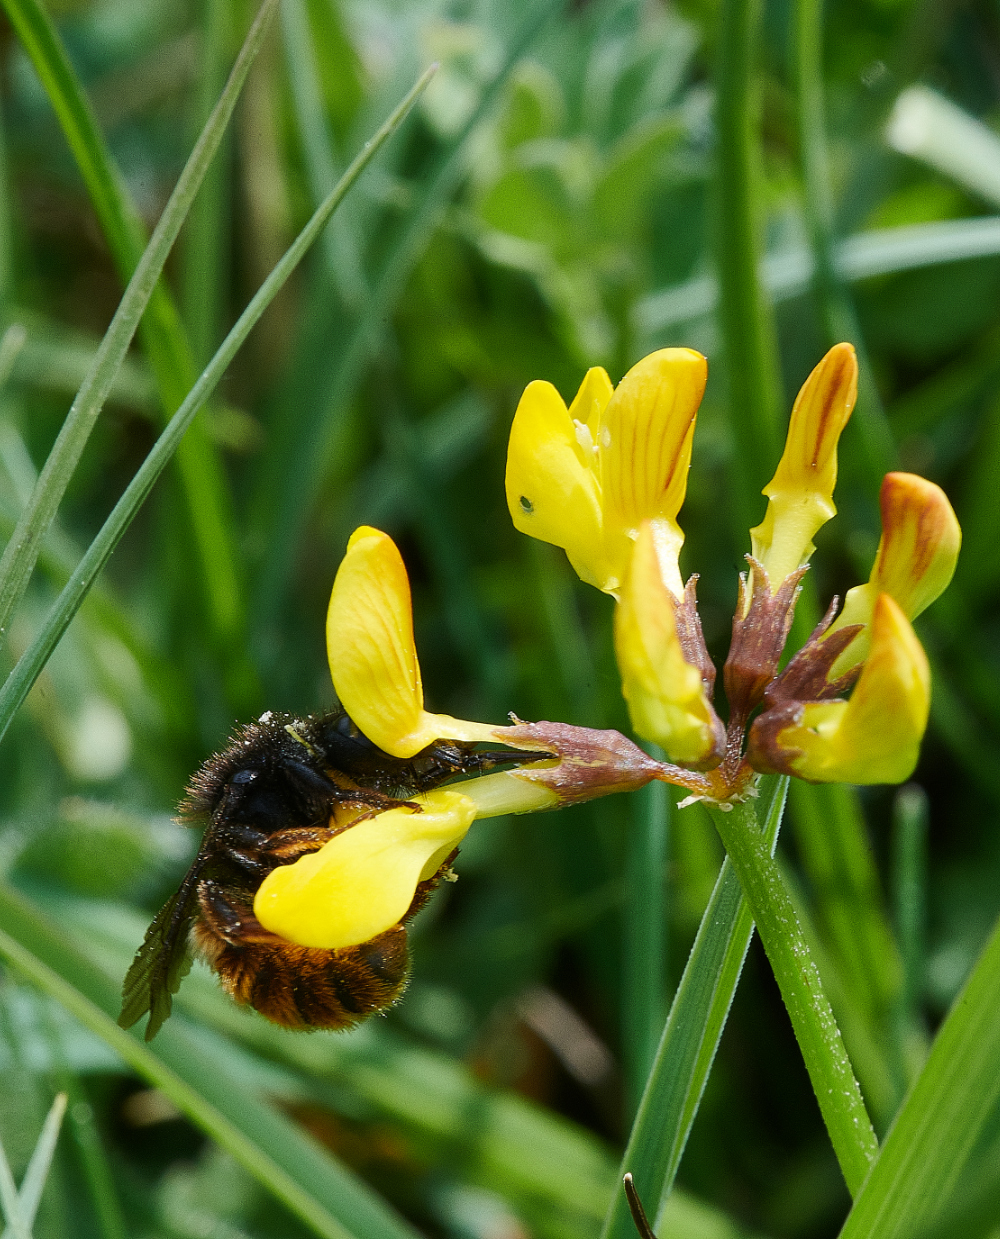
(787, 273)
(35, 1176)
(30, 664)
(161, 330)
(21, 553)
(17, 1225)
(690, 1038)
(744, 312)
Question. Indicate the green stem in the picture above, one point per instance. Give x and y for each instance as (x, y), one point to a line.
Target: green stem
(645, 934)
(840, 322)
(798, 978)
(744, 314)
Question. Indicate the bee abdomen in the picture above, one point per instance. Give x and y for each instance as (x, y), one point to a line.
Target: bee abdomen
(297, 986)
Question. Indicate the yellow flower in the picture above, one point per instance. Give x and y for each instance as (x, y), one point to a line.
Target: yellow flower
(623, 536)
(363, 881)
(585, 478)
(915, 561)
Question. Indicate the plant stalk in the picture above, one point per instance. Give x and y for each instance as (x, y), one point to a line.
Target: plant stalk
(798, 978)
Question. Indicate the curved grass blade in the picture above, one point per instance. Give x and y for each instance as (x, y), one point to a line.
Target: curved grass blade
(30, 664)
(21, 553)
(690, 1038)
(161, 330)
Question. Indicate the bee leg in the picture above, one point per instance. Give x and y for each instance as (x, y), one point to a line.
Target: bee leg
(288, 845)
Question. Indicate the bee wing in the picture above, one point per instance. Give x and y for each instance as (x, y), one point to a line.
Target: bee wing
(163, 960)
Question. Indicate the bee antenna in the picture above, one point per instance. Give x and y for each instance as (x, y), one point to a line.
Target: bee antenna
(635, 1207)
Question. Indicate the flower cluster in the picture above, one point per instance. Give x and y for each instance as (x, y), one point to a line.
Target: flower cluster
(605, 480)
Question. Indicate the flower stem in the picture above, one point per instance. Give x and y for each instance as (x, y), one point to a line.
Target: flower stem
(816, 1030)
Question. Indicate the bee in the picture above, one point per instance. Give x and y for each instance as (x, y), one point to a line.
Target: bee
(267, 799)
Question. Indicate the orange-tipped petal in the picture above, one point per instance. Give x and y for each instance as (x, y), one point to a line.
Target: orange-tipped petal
(666, 696)
(915, 562)
(875, 736)
(800, 495)
(363, 881)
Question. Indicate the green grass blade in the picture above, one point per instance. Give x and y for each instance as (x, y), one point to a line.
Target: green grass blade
(194, 1073)
(161, 330)
(21, 552)
(937, 1127)
(830, 837)
(339, 246)
(786, 273)
(643, 980)
(929, 127)
(908, 873)
(33, 1184)
(30, 664)
(17, 1225)
(690, 1039)
(877, 453)
(296, 466)
(204, 265)
(745, 317)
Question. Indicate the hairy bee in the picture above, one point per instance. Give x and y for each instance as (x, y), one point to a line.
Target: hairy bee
(266, 800)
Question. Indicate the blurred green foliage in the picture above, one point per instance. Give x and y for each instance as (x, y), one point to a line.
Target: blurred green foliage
(549, 207)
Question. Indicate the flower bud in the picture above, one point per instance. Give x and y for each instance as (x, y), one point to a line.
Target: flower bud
(916, 558)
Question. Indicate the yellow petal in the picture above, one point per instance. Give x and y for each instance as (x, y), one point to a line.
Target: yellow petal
(552, 486)
(590, 402)
(363, 881)
(915, 562)
(644, 444)
(875, 737)
(372, 654)
(801, 492)
(666, 698)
